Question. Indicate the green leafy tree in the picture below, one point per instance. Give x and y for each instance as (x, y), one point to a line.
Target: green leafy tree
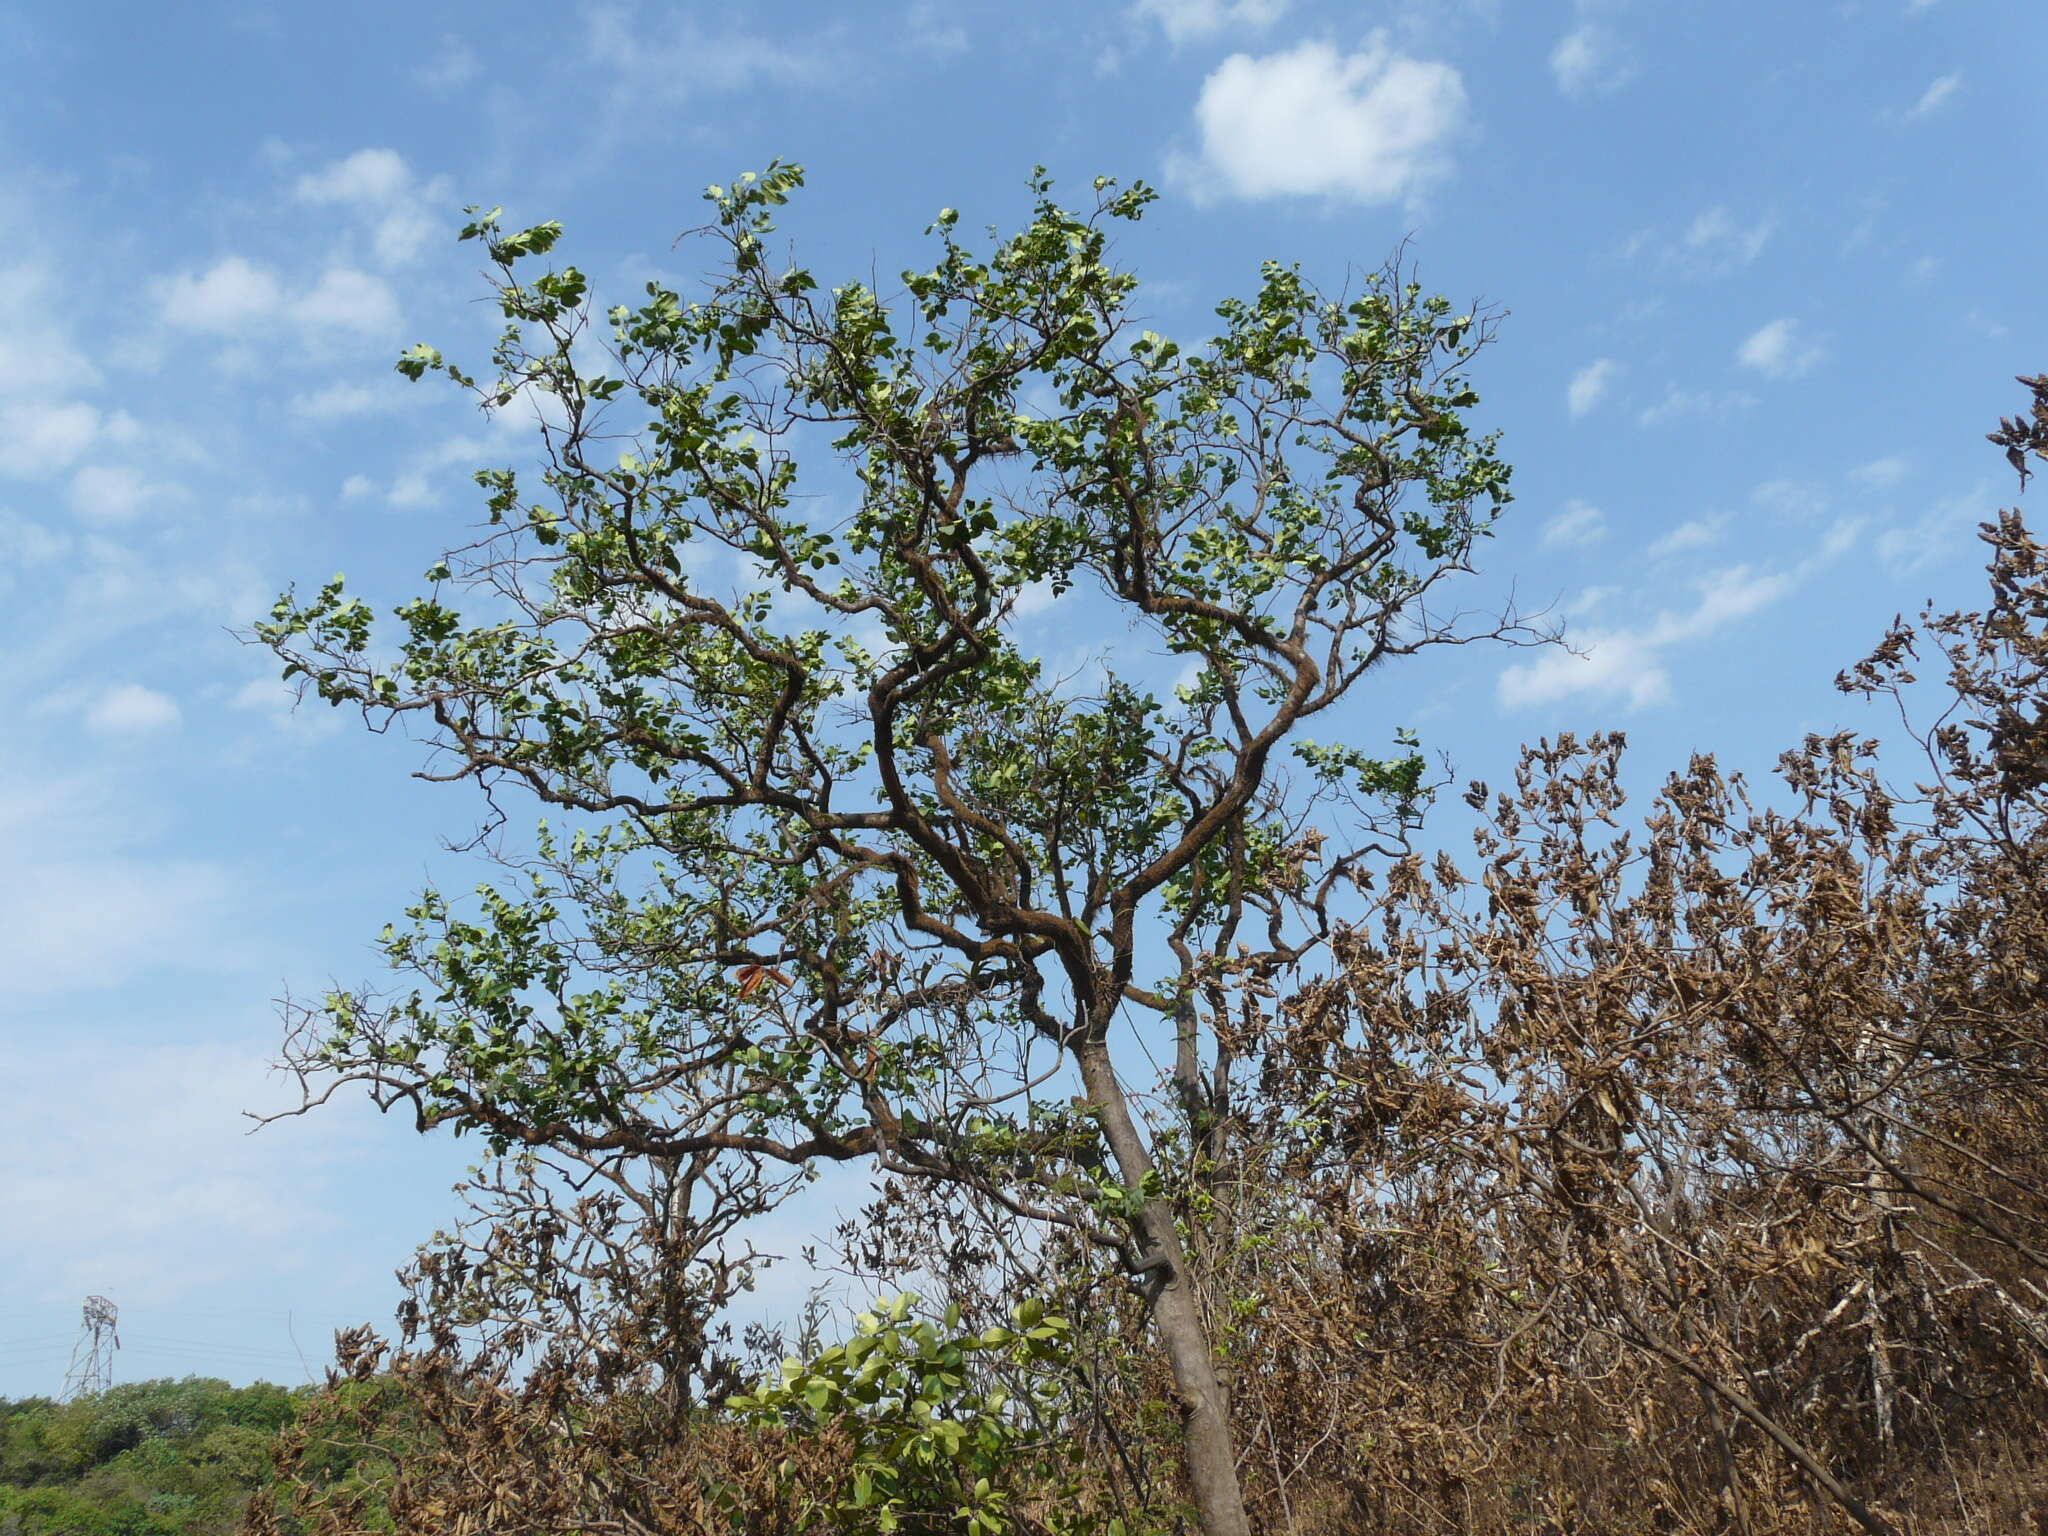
(840, 868)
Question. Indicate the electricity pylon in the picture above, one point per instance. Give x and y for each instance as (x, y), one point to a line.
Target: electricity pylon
(92, 1357)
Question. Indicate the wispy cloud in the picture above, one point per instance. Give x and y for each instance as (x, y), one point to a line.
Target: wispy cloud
(1779, 350)
(1185, 21)
(935, 28)
(1590, 59)
(39, 358)
(660, 58)
(237, 299)
(1694, 404)
(1935, 96)
(1579, 524)
(398, 212)
(455, 65)
(1590, 384)
(1880, 474)
(133, 710)
(40, 439)
(164, 1226)
(92, 902)
(340, 402)
(1689, 537)
(1632, 663)
(225, 299)
(1790, 499)
(106, 494)
(1945, 530)
(1716, 242)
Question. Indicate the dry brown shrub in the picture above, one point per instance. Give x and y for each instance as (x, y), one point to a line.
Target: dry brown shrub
(455, 1452)
(1686, 1175)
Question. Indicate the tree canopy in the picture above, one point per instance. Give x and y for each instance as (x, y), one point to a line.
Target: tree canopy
(841, 867)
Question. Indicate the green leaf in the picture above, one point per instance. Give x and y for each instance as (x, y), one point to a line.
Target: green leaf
(417, 360)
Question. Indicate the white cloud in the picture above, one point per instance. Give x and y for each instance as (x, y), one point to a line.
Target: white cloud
(1693, 534)
(338, 402)
(1629, 662)
(1934, 96)
(238, 298)
(647, 64)
(411, 491)
(264, 695)
(1946, 528)
(367, 178)
(38, 440)
(37, 359)
(1033, 598)
(1682, 404)
(229, 297)
(455, 65)
(1604, 663)
(1579, 524)
(133, 710)
(934, 28)
(1368, 127)
(181, 1196)
(1590, 600)
(1725, 596)
(1590, 384)
(25, 545)
(1778, 351)
(1186, 21)
(89, 906)
(345, 299)
(1791, 499)
(380, 187)
(1880, 474)
(356, 487)
(278, 702)
(1589, 58)
(415, 486)
(1716, 242)
(1842, 536)
(110, 493)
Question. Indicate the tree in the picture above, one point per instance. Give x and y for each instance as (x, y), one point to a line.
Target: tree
(841, 870)
(611, 1268)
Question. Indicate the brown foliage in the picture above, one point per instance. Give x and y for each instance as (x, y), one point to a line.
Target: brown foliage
(1685, 1176)
(466, 1452)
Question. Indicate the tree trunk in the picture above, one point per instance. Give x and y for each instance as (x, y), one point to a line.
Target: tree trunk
(1210, 1453)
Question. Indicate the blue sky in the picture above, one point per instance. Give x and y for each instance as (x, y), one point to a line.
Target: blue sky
(1768, 271)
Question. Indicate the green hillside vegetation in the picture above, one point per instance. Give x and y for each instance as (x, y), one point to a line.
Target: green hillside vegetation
(147, 1458)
